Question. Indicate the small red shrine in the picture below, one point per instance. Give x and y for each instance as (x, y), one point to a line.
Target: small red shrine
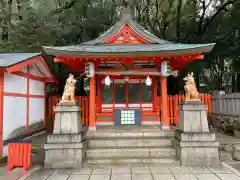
(129, 61)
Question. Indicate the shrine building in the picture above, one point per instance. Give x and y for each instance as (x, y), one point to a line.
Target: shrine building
(130, 69)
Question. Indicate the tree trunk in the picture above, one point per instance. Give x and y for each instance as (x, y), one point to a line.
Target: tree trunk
(234, 83)
(19, 9)
(179, 7)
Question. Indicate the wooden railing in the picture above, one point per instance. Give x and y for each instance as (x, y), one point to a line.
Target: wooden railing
(226, 105)
(173, 103)
(83, 101)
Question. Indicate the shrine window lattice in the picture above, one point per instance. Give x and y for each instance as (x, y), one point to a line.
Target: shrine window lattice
(136, 93)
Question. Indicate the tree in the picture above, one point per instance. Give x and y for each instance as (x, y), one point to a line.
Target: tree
(185, 21)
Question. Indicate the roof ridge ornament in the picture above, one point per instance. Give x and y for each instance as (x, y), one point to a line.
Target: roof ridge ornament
(125, 9)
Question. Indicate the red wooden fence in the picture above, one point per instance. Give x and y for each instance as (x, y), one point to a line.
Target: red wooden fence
(19, 155)
(173, 103)
(83, 101)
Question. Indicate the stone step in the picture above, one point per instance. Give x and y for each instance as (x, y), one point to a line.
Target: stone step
(127, 134)
(133, 152)
(134, 160)
(150, 142)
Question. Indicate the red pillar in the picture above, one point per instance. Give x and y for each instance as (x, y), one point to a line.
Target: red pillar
(164, 105)
(92, 104)
(1, 110)
(154, 93)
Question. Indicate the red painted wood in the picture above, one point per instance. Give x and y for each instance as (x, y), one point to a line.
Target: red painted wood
(164, 100)
(19, 155)
(173, 106)
(92, 103)
(126, 35)
(45, 104)
(113, 94)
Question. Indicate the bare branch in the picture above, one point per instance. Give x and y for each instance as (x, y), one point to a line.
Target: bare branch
(199, 30)
(220, 9)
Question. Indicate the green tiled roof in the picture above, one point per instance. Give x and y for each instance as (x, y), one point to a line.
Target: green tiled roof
(127, 19)
(96, 47)
(10, 59)
(154, 49)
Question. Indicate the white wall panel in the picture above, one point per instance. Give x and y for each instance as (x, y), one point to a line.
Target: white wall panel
(35, 71)
(36, 87)
(5, 150)
(36, 110)
(15, 84)
(14, 114)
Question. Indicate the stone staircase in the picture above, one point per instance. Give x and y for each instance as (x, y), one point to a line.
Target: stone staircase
(130, 145)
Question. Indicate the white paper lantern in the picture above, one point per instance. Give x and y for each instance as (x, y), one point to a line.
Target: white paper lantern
(148, 81)
(175, 73)
(164, 68)
(90, 69)
(107, 81)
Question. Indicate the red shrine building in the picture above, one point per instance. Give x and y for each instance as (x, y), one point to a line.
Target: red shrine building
(129, 84)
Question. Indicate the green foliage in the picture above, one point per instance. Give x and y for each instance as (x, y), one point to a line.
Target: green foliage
(62, 22)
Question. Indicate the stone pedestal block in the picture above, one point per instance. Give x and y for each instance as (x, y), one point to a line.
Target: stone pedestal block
(65, 148)
(236, 152)
(192, 117)
(64, 155)
(194, 144)
(67, 119)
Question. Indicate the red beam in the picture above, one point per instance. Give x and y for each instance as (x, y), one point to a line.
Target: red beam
(19, 66)
(123, 58)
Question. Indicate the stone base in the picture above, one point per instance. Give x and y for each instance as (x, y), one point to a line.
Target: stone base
(64, 151)
(237, 133)
(236, 152)
(67, 118)
(165, 128)
(94, 128)
(197, 148)
(192, 117)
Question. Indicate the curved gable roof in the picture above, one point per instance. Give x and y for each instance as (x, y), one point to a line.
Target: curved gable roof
(126, 19)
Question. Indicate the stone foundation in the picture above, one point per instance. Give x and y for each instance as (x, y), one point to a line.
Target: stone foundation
(64, 151)
(195, 145)
(226, 124)
(196, 149)
(65, 148)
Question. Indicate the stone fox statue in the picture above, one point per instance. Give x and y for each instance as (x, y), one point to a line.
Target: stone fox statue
(69, 89)
(190, 88)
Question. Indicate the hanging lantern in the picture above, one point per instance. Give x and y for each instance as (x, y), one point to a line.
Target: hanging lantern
(148, 81)
(165, 69)
(175, 73)
(126, 79)
(89, 69)
(107, 81)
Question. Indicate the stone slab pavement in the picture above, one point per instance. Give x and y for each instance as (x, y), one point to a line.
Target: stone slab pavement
(135, 172)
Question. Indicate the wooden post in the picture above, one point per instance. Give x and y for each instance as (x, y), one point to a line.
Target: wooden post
(164, 105)
(154, 93)
(92, 105)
